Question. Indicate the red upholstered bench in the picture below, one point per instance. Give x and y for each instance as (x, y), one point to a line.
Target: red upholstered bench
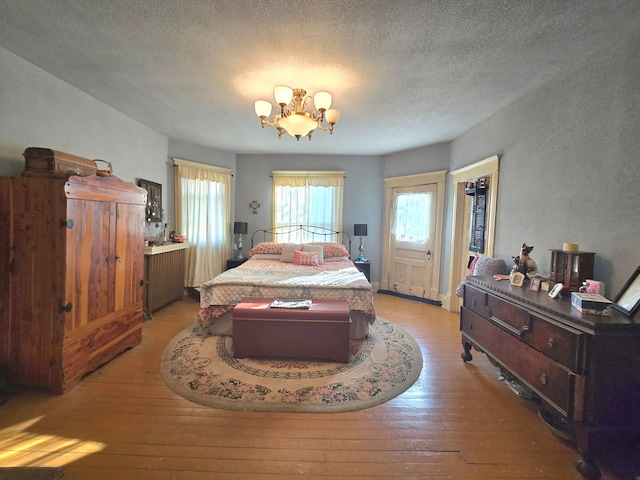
(321, 331)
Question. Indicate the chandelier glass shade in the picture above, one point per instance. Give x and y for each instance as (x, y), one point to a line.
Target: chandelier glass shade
(294, 118)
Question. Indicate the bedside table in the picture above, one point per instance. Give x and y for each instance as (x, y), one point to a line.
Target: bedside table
(364, 267)
(235, 262)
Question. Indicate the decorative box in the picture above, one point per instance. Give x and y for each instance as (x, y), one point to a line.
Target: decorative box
(44, 162)
(591, 303)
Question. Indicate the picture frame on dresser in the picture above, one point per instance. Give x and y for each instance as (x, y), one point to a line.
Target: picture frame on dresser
(627, 301)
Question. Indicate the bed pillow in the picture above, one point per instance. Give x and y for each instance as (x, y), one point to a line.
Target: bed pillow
(306, 247)
(305, 258)
(332, 249)
(335, 259)
(287, 251)
(266, 256)
(266, 248)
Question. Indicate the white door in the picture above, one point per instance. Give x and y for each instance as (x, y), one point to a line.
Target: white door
(412, 239)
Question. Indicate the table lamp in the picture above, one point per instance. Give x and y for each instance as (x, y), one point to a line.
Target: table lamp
(239, 228)
(360, 230)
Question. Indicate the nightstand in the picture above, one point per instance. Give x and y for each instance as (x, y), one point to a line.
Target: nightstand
(235, 262)
(364, 267)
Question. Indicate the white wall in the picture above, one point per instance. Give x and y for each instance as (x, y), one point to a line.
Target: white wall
(39, 110)
(570, 164)
(363, 192)
(569, 167)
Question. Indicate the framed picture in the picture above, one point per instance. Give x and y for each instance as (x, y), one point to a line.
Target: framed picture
(153, 210)
(555, 291)
(534, 286)
(628, 299)
(517, 279)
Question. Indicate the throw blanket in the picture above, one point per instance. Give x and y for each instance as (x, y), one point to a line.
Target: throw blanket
(264, 278)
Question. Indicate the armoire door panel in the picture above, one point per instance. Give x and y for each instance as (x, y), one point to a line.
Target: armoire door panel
(88, 262)
(129, 255)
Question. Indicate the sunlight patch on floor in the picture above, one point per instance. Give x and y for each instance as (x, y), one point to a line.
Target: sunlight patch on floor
(21, 448)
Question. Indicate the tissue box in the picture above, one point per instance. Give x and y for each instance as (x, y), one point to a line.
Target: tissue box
(594, 286)
(591, 303)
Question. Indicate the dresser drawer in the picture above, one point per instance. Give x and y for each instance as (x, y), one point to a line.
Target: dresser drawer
(509, 316)
(561, 344)
(512, 318)
(475, 300)
(555, 384)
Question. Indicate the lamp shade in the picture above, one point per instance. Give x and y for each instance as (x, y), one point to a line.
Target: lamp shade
(333, 115)
(263, 108)
(283, 95)
(322, 100)
(240, 228)
(360, 229)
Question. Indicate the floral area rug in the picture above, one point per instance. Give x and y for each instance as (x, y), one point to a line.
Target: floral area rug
(201, 368)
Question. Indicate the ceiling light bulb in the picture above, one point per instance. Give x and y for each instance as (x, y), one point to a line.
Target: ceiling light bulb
(283, 95)
(332, 115)
(322, 100)
(263, 108)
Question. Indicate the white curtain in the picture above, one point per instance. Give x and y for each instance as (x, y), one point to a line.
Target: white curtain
(203, 215)
(308, 199)
(410, 220)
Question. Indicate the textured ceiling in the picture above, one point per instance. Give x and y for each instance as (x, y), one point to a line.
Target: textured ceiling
(403, 73)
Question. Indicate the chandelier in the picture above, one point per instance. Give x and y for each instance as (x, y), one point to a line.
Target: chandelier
(293, 117)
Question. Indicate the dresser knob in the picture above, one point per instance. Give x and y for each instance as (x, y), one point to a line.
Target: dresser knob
(543, 379)
(551, 343)
(473, 302)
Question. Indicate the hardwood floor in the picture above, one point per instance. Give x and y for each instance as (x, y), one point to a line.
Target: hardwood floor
(121, 422)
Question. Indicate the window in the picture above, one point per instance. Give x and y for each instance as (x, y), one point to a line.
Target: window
(203, 212)
(411, 217)
(309, 199)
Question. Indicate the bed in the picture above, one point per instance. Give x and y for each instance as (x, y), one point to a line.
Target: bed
(295, 269)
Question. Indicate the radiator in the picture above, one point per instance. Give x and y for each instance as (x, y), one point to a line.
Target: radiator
(164, 279)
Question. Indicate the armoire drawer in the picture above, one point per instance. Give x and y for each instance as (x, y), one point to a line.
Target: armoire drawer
(550, 380)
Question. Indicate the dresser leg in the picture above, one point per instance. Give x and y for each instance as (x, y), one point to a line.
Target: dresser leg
(466, 355)
(587, 468)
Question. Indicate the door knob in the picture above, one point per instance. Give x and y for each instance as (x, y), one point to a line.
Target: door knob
(428, 254)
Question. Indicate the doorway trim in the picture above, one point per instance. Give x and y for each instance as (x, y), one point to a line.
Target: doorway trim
(487, 167)
(437, 178)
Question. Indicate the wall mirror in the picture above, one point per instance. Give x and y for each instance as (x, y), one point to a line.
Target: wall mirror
(153, 211)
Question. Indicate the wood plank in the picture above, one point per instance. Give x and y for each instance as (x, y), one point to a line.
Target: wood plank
(121, 421)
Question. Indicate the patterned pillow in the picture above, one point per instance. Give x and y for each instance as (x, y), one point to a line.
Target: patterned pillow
(266, 247)
(305, 258)
(332, 249)
(306, 247)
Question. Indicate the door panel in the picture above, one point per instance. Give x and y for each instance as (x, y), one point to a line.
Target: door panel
(129, 254)
(88, 282)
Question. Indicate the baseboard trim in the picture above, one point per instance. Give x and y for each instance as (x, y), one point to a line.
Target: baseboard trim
(409, 297)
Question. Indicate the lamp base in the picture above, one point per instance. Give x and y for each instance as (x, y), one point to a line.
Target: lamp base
(361, 259)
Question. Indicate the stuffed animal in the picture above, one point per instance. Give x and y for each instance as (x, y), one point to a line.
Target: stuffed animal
(523, 263)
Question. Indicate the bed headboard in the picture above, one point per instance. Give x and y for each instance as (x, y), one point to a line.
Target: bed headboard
(302, 233)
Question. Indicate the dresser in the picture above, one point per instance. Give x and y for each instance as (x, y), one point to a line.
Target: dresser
(72, 274)
(584, 368)
(164, 267)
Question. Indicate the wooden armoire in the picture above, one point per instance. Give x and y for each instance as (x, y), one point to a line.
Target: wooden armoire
(72, 263)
